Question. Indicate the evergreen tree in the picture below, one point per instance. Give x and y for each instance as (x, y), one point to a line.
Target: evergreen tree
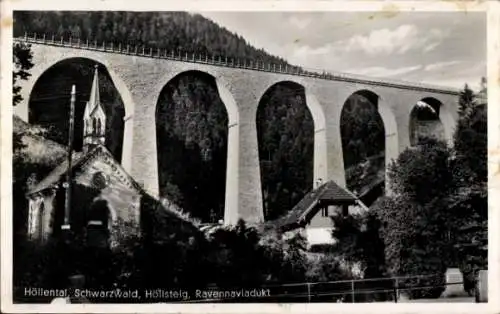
(469, 202)
(22, 60)
(466, 102)
(470, 138)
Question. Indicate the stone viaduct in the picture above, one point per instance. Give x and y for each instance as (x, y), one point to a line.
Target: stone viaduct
(140, 76)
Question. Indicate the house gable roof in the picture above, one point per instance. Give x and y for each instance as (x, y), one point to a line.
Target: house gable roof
(330, 193)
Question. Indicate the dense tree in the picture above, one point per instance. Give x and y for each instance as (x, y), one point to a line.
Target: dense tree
(358, 240)
(466, 102)
(440, 198)
(22, 61)
(415, 222)
(469, 202)
(422, 173)
(285, 133)
(362, 130)
(32, 158)
(192, 132)
(470, 138)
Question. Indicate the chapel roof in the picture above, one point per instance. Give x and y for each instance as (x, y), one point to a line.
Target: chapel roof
(79, 159)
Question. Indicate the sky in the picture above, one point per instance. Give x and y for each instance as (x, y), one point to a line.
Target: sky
(441, 48)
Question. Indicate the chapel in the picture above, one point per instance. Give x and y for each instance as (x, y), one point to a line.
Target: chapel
(105, 200)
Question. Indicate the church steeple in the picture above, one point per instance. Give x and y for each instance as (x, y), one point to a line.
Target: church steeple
(94, 118)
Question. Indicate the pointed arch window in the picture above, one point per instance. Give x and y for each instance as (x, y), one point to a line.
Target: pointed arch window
(41, 215)
(94, 125)
(87, 126)
(99, 131)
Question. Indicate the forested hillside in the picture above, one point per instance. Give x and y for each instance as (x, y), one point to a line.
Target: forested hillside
(171, 30)
(191, 118)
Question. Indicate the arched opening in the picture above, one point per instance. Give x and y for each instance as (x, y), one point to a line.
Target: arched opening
(49, 102)
(363, 135)
(98, 224)
(99, 213)
(192, 140)
(94, 126)
(425, 121)
(285, 132)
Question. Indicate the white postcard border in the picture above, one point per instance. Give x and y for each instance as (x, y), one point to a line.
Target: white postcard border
(382, 7)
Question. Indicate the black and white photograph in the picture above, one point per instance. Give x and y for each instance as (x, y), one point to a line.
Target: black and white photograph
(220, 157)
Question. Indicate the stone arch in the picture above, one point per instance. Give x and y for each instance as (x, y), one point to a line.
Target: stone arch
(122, 89)
(319, 119)
(312, 103)
(385, 112)
(314, 111)
(431, 117)
(222, 88)
(232, 111)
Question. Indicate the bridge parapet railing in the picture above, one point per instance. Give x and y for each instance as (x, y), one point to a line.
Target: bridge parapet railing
(246, 64)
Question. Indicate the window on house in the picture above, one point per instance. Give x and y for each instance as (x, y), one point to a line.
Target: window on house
(345, 210)
(324, 211)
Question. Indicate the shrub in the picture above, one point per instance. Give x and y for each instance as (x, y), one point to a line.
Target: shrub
(415, 243)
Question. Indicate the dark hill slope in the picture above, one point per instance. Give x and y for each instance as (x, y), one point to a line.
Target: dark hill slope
(167, 30)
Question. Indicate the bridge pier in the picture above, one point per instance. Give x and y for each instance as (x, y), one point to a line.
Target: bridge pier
(449, 121)
(243, 184)
(140, 134)
(128, 135)
(320, 164)
(391, 138)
